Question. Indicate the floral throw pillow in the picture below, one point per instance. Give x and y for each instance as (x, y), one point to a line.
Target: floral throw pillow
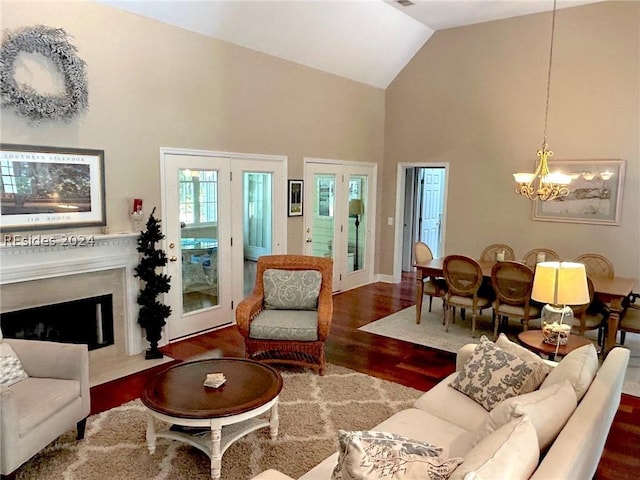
(11, 370)
(291, 289)
(368, 455)
(492, 375)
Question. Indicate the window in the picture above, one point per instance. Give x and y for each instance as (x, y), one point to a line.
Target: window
(198, 196)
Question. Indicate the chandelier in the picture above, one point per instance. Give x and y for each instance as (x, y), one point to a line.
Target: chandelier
(542, 184)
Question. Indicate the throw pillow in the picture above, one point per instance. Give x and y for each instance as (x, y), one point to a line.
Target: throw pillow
(365, 455)
(291, 289)
(579, 367)
(511, 452)
(492, 375)
(548, 410)
(193, 276)
(11, 370)
(540, 369)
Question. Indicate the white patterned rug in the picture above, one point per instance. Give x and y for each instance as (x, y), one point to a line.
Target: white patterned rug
(430, 333)
(311, 409)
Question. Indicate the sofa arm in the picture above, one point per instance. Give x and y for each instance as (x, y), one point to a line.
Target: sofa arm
(52, 359)
(271, 475)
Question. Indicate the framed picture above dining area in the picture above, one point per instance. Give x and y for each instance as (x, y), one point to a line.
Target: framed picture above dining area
(595, 193)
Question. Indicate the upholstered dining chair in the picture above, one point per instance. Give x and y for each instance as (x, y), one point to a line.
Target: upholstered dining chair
(512, 283)
(433, 286)
(287, 317)
(630, 318)
(590, 316)
(490, 253)
(530, 258)
(596, 264)
(463, 276)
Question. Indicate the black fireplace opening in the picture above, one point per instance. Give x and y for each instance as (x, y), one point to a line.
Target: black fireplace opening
(89, 320)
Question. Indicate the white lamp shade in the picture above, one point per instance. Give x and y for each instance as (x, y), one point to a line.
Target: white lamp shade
(560, 283)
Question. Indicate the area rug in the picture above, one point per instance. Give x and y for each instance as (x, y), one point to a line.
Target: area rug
(312, 409)
(430, 333)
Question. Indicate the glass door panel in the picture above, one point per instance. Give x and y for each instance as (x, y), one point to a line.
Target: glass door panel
(198, 192)
(257, 222)
(323, 224)
(357, 224)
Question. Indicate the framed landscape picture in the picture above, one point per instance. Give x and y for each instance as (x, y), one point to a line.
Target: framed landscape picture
(595, 193)
(51, 187)
(295, 198)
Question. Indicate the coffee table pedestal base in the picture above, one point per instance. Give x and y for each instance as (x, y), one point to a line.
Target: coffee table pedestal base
(213, 436)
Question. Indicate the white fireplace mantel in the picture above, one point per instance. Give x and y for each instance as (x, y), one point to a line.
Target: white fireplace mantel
(33, 257)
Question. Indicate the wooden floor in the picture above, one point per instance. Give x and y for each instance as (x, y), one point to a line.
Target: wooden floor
(401, 362)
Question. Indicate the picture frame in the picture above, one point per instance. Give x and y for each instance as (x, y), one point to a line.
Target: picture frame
(296, 191)
(51, 187)
(595, 195)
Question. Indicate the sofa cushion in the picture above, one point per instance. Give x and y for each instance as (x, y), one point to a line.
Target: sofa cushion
(301, 325)
(548, 410)
(425, 427)
(372, 454)
(11, 370)
(579, 368)
(36, 398)
(540, 368)
(511, 452)
(492, 375)
(452, 406)
(291, 289)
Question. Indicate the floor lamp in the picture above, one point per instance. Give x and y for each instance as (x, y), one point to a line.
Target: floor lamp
(356, 208)
(559, 284)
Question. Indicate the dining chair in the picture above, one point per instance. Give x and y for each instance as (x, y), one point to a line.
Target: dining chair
(490, 253)
(433, 286)
(463, 276)
(596, 264)
(590, 316)
(630, 319)
(530, 258)
(512, 283)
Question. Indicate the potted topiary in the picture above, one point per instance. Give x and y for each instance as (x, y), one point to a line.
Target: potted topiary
(152, 312)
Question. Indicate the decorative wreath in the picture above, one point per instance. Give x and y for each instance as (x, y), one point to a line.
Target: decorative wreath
(54, 44)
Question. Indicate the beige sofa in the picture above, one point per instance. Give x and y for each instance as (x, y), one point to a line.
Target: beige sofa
(447, 418)
(51, 401)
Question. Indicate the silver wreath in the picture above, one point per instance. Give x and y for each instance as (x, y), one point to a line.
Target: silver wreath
(54, 44)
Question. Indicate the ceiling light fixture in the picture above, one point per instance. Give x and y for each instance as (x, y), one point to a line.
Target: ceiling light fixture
(542, 184)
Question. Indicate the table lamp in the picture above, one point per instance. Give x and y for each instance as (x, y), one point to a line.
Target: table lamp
(559, 284)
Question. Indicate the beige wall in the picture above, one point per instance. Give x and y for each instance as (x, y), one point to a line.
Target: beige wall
(152, 85)
(474, 97)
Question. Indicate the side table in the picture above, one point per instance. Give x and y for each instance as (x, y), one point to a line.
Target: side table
(534, 340)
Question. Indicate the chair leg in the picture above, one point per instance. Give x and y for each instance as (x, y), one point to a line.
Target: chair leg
(81, 425)
(623, 334)
(430, 302)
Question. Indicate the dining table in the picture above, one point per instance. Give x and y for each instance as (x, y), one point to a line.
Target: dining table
(610, 290)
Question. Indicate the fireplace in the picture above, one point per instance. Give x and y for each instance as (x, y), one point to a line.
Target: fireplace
(87, 320)
(50, 273)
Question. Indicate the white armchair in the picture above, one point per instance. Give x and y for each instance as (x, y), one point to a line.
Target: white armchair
(53, 400)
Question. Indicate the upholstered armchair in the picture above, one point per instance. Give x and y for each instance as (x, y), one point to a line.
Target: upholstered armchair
(49, 398)
(287, 317)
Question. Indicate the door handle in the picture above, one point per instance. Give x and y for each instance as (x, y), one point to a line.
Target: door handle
(173, 258)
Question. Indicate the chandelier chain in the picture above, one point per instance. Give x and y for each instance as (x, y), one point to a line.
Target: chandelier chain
(546, 112)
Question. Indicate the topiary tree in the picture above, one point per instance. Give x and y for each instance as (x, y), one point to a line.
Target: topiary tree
(153, 312)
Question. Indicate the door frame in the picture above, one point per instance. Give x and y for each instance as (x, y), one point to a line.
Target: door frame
(279, 217)
(367, 274)
(400, 204)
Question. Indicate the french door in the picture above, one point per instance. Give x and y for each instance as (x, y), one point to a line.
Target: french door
(339, 220)
(219, 214)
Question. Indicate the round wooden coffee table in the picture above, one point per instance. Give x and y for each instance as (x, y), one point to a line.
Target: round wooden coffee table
(198, 414)
(533, 340)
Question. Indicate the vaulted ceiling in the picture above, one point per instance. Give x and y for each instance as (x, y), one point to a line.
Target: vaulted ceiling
(369, 41)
